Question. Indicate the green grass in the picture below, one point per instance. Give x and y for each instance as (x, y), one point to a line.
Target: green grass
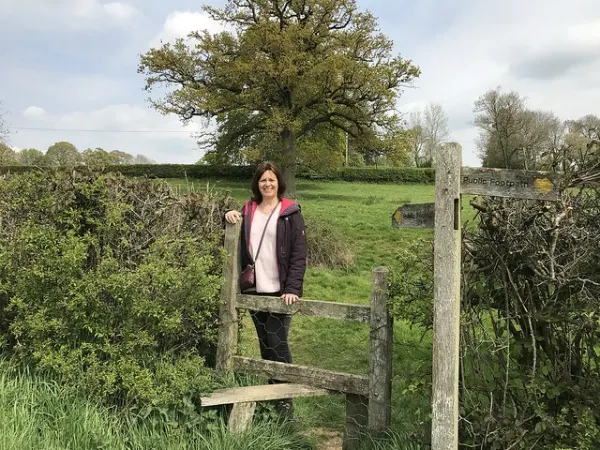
(362, 212)
(37, 414)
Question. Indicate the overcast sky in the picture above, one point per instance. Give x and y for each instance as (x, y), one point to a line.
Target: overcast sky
(72, 65)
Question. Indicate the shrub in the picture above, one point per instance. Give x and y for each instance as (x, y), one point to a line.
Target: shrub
(530, 372)
(326, 246)
(112, 284)
(244, 173)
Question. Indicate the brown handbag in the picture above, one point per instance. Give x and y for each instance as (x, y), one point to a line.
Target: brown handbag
(248, 275)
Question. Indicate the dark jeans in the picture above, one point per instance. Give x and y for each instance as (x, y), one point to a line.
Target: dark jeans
(272, 330)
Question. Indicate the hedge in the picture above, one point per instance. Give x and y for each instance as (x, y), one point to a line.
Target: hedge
(367, 175)
(112, 284)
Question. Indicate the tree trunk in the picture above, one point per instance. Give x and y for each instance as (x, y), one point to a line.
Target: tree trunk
(288, 161)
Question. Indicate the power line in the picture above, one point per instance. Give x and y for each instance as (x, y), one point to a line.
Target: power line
(98, 130)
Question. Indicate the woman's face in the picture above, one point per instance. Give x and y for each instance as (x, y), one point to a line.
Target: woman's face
(268, 186)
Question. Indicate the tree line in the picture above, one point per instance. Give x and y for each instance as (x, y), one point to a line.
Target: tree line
(513, 136)
(66, 154)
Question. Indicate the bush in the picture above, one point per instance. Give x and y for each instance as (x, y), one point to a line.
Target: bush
(530, 371)
(362, 174)
(379, 175)
(112, 284)
(531, 299)
(326, 246)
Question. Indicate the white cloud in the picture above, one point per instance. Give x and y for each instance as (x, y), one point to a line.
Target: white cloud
(34, 113)
(69, 14)
(120, 11)
(548, 51)
(133, 129)
(179, 24)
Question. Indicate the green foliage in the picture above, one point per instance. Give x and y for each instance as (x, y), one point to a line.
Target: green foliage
(62, 154)
(36, 413)
(97, 158)
(112, 284)
(286, 69)
(531, 290)
(7, 155)
(242, 173)
(529, 365)
(31, 157)
(382, 175)
(185, 171)
(411, 289)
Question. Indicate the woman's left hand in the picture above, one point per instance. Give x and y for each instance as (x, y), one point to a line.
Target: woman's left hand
(289, 298)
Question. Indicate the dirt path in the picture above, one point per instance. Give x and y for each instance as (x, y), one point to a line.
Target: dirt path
(327, 439)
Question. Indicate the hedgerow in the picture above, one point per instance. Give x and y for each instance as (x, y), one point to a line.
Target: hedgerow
(112, 285)
(244, 173)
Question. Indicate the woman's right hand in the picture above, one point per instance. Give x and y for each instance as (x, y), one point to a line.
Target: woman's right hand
(233, 216)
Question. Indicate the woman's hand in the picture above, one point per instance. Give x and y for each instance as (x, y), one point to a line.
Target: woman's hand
(233, 216)
(289, 298)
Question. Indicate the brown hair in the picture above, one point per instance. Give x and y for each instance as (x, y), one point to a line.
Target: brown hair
(260, 170)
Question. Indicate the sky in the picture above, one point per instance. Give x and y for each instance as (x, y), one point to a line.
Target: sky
(69, 67)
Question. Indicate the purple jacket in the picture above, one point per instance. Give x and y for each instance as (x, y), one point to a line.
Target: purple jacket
(291, 244)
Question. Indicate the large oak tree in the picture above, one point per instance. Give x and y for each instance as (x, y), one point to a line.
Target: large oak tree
(286, 68)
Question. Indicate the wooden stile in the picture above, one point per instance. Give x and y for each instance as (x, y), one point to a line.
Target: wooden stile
(368, 398)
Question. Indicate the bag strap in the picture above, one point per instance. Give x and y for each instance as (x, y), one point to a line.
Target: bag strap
(264, 231)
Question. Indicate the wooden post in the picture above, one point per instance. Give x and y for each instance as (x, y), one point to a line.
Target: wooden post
(228, 325)
(380, 381)
(357, 415)
(446, 327)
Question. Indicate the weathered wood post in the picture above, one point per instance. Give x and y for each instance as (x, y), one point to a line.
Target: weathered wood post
(446, 327)
(357, 415)
(380, 381)
(228, 325)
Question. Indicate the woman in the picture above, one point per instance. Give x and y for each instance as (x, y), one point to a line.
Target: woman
(274, 238)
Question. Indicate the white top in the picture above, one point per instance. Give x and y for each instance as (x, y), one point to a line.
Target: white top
(266, 270)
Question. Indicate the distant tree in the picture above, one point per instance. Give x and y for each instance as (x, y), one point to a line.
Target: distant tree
(120, 157)
(96, 157)
(8, 157)
(513, 136)
(583, 139)
(31, 157)
(427, 131)
(142, 159)
(500, 117)
(3, 126)
(417, 139)
(209, 159)
(62, 154)
(288, 67)
(435, 130)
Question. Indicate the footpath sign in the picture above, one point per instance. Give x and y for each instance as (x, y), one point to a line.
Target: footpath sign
(414, 216)
(509, 183)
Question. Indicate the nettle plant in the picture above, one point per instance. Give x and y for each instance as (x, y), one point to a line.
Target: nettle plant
(112, 284)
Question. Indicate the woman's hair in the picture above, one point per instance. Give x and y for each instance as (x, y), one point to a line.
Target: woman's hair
(260, 170)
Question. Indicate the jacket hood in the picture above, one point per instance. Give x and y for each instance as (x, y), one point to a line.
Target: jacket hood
(287, 207)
